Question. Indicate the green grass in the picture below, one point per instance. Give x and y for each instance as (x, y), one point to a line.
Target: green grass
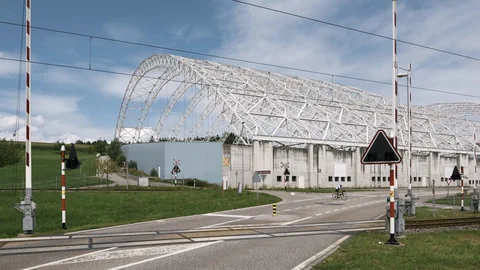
(88, 210)
(438, 251)
(46, 169)
(449, 200)
(423, 213)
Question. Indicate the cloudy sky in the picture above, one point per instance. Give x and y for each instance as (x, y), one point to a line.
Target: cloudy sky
(70, 104)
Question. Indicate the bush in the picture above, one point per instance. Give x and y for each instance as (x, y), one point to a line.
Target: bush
(154, 173)
(9, 153)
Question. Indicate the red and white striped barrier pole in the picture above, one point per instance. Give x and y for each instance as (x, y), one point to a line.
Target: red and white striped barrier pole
(64, 207)
(461, 171)
(28, 217)
(475, 155)
(393, 170)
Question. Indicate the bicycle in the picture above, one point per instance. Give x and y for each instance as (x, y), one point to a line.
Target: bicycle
(342, 196)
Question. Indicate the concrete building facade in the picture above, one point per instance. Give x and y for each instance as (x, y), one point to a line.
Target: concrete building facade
(322, 166)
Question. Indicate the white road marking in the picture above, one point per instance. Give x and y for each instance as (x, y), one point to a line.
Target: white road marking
(328, 212)
(222, 223)
(295, 221)
(196, 246)
(321, 253)
(226, 215)
(319, 214)
(336, 210)
(67, 259)
(234, 237)
(142, 243)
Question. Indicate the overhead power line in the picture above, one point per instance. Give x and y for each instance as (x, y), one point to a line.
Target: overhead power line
(358, 31)
(131, 74)
(208, 55)
(223, 80)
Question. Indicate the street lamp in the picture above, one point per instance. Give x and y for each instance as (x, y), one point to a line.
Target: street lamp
(409, 121)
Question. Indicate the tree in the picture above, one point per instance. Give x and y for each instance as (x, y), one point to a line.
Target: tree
(106, 166)
(9, 152)
(154, 173)
(114, 150)
(120, 160)
(79, 142)
(100, 146)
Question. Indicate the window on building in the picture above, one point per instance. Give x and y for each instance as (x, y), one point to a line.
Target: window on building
(349, 179)
(294, 178)
(442, 179)
(388, 179)
(287, 178)
(373, 178)
(330, 179)
(379, 179)
(342, 179)
(415, 179)
(384, 179)
(336, 178)
(279, 178)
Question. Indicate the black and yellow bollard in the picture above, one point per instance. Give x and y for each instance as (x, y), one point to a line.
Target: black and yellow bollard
(274, 209)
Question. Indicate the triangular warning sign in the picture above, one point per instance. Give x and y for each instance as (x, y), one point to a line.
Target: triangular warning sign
(456, 174)
(175, 169)
(381, 151)
(286, 172)
(256, 178)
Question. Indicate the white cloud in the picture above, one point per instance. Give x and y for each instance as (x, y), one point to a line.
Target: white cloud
(265, 36)
(188, 33)
(53, 118)
(122, 31)
(8, 68)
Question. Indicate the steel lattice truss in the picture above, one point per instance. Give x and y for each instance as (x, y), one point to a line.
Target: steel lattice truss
(282, 108)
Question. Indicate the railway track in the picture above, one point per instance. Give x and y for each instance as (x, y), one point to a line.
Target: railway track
(451, 222)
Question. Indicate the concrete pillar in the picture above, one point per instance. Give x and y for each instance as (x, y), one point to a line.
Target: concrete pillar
(311, 171)
(358, 169)
(321, 178)
(324, 179)
(430, 169)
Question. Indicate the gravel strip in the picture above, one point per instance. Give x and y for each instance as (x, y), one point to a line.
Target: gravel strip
(444, 229)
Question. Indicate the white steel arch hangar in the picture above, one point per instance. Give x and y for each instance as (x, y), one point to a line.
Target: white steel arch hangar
(274, 107)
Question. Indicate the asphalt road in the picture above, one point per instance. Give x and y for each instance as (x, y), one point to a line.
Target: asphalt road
(306, 224)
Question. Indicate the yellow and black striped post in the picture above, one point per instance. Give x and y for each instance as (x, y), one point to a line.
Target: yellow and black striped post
(274, 209)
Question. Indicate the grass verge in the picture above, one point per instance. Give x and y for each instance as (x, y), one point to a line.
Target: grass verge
(450, 200)
(88, 210)
(426, 213)
(438, 250)
(46, 170)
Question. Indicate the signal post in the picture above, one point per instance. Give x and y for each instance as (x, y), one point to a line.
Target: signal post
(382, 151)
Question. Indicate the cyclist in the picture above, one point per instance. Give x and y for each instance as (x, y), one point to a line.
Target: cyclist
(337, 189)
